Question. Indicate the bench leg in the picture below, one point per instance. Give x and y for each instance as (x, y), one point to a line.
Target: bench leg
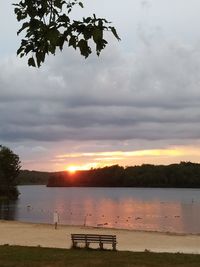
(101, 245)
(74, 244)
(87, 244)
(114, 246)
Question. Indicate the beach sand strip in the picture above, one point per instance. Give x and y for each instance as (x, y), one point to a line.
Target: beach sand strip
(44, 235)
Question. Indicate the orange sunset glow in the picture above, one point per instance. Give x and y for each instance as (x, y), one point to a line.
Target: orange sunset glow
(89, 160)
(74, 168)
(82, 160)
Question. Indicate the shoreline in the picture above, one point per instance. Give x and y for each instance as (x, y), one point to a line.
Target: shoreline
(106, 228)
(122, 229)
(44, 235)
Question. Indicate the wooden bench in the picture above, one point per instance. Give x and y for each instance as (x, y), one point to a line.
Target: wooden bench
(93, 238)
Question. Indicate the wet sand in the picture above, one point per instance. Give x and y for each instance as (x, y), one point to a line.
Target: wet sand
(31, 234)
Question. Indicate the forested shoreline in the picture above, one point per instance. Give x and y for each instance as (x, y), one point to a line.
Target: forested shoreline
(27, 177)
(183, 175)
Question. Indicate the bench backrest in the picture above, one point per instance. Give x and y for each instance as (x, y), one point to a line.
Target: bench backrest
(93, 237)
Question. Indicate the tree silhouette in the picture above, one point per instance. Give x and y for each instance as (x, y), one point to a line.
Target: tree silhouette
(9, 170)
(48, 25)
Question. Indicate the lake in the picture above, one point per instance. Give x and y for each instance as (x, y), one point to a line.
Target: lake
(149, 209)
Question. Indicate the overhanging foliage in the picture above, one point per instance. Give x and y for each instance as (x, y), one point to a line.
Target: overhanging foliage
(47, 26)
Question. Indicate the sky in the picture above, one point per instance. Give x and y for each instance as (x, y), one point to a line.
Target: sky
(139, 102)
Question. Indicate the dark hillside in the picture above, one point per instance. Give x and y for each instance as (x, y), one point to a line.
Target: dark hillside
(184, 174)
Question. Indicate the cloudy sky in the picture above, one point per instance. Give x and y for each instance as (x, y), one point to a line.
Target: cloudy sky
(138, 103)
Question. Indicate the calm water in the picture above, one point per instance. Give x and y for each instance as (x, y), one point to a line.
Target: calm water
(172, 210)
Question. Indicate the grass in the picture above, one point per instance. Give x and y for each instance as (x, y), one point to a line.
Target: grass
(16, 256)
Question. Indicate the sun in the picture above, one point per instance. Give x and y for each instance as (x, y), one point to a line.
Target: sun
(75, 168)
(72, 169)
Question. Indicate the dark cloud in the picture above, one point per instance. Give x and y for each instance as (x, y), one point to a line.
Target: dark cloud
(150, 94)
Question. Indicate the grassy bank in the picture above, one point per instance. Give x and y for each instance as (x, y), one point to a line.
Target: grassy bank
(15, 256)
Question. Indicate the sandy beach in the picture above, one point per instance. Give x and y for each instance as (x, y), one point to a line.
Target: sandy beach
(31, 234)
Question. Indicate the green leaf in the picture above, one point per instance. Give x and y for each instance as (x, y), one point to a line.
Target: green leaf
(81, 4)
(52, 35)
(24, 26)
(28, 49)
(84, 48)
(87, 20)
(97, 35)
(58, 3)
(20, 50)
(72, 41)
(60, 42)
(31, 62)
(113, 30)
(64, 19)
(40, 56)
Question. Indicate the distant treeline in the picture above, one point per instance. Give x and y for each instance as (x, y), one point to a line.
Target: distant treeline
(27, 177)
(185, 174)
